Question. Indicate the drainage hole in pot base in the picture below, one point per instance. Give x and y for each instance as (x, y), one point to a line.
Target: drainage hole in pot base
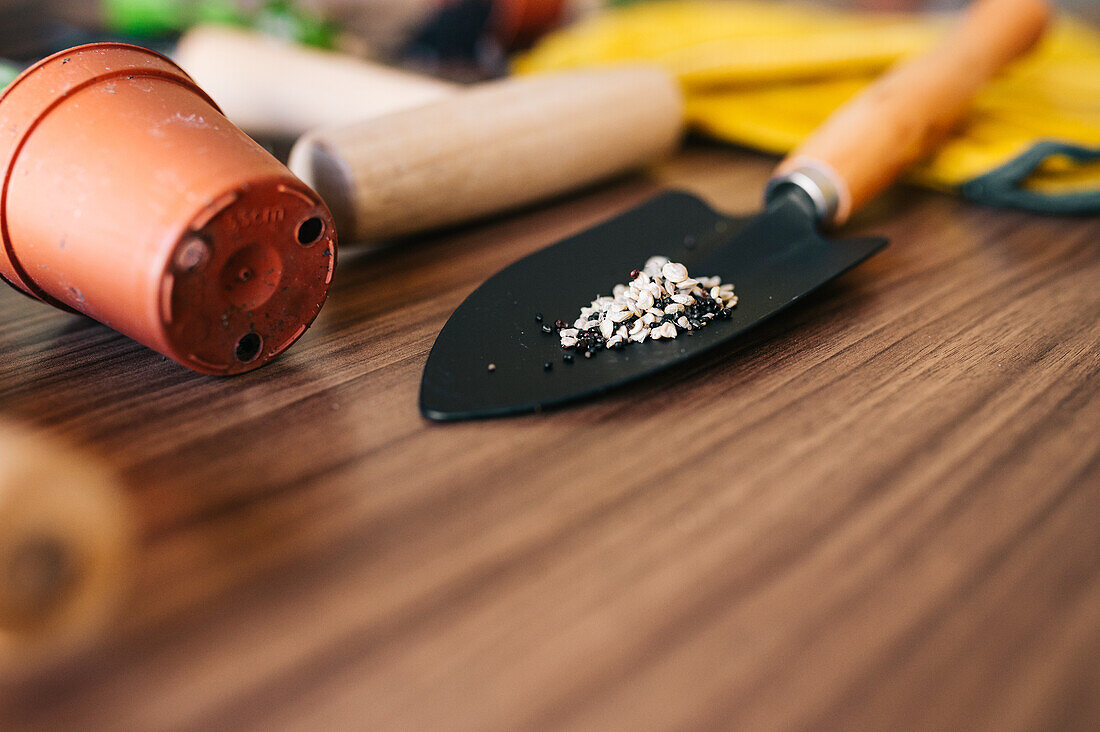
(310, 231)
(248, 348)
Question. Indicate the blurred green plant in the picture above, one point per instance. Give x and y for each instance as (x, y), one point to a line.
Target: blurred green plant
(157, 18)
(8, 72)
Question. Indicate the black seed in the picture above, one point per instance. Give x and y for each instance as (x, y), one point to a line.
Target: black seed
(538, 317)
(725, 313)
(547, 366)
(619, 346)
(634, 274)
(567, 357)
(546, 328)
(559, 324)
(689, 241)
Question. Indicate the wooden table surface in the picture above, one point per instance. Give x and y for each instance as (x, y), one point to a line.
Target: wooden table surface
(878, 511)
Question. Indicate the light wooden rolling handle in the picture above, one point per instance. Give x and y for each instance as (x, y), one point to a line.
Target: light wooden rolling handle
(899, 118)
(65, 546)
(274, 88)
(495, 147)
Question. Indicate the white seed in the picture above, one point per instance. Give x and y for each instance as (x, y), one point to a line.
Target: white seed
(674, 271)
(581, 323)
(618, 316)
(687, 284)
(614, 340)
(653, 265)
(606, 328)
(568, 341)
(716, 293)
(683, 299)
(682, 321)
(674, 308)
(618, 290)
(731, 301)
(645, 300)
(636, 328)
(656, 312)
(640, 335)
(668, 330)
(622, 332)
(649, 318)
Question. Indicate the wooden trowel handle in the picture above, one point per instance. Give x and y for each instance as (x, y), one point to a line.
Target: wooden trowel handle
(898, 119)
(489, 149)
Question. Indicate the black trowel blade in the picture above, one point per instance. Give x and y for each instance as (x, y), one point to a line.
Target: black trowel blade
(773, 259)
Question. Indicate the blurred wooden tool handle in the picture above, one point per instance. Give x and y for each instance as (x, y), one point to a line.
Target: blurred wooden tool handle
(275, 88)
(65, 548)
(494, 147)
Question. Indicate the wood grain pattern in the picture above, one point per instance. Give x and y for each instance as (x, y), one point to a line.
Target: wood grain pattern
(877, 511)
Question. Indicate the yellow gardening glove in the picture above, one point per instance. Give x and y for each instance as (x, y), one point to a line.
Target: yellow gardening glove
(765, 75)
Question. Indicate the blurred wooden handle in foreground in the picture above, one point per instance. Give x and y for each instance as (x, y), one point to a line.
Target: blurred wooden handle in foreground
(65, 550)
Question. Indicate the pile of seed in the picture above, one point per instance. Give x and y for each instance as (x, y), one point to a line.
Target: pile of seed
(661, 301)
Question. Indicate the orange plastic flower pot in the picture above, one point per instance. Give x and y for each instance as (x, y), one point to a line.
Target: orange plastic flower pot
(129, 197)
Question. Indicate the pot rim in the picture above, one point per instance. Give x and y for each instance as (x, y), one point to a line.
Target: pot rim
(38, 109)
